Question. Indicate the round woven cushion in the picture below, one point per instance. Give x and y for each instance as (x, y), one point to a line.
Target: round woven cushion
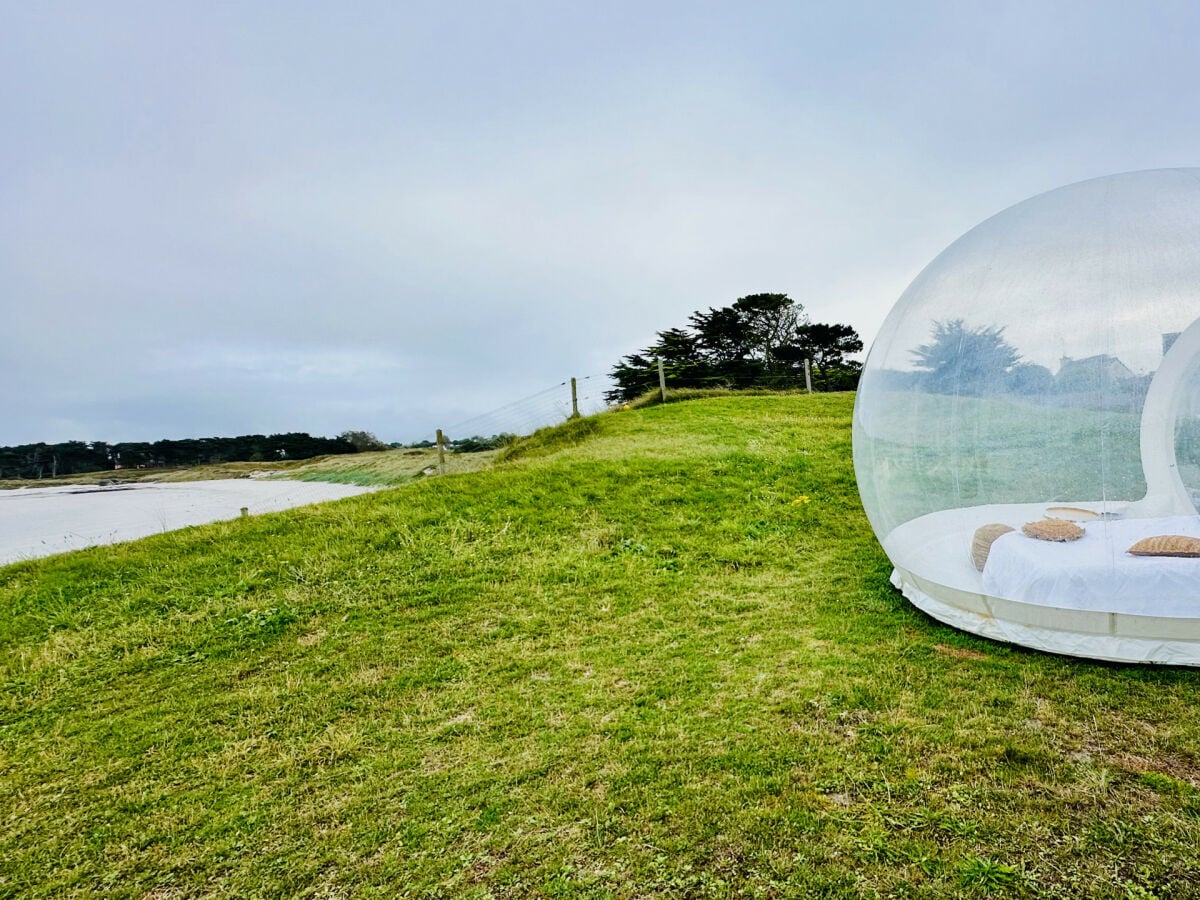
(1052, 530)
(1167, 545)
(981, 544)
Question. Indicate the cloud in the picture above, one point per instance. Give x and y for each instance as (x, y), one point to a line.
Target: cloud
(215, 218)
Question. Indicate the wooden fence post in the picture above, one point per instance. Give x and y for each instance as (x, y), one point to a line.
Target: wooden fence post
(662, 381)
(574, 400)
(441, 442)
(808, 375)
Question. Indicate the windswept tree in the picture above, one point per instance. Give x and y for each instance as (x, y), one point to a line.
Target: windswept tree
(752, 330)
(960, 359)
(682, 354)
(759, 340)
(683, 359)
(772, 322)
(828, 347)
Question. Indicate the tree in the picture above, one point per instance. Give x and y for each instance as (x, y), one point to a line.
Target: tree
(478, 443)
(1030, 378)
(964, 360)
(363, 441)
(683, 364)
(633, 376)
(681, 347)
(771, 322)
(828, 347)
(759, 340)
(752, 329)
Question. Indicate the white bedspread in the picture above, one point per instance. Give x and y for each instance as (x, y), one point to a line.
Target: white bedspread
(1096, 572)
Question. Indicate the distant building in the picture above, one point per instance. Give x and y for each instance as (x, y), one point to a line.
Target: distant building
(1100, 382)
(1090, 372)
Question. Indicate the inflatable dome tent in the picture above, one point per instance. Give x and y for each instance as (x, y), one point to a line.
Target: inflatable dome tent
(1027, 426)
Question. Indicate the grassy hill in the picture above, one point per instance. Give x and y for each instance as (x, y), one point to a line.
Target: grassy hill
(653, 653)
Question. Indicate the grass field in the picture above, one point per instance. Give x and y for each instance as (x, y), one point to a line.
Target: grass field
(936, 451)
(649, 654)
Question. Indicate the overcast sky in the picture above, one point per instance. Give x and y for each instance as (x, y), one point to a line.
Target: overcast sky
(221, 218)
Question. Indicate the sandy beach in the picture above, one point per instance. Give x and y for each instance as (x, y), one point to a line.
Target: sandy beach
(36, 522)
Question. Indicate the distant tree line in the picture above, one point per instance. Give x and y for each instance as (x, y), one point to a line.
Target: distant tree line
(474, 444)
(761, 340)
(77, 457)
(978, 361)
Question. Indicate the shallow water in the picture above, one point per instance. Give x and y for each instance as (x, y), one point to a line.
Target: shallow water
(37, 522)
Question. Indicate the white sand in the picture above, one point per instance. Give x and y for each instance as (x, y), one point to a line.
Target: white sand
(42, 521)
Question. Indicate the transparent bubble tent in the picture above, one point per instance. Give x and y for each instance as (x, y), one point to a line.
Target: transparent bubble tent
(1027, 426)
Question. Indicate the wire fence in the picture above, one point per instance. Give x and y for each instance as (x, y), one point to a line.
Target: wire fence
(807, 377)
(548, 406)
(591, 394)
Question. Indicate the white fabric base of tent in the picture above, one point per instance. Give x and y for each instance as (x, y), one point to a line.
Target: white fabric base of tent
(1158, 621)
(1096, 572)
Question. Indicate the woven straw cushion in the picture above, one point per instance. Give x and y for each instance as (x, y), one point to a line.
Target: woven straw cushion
(981, 544)
(1166, 545)
(1053, 530)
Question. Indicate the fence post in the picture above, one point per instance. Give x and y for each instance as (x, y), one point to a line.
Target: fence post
(441, 442)
(662, 381)
(808, 375)
(574, 400)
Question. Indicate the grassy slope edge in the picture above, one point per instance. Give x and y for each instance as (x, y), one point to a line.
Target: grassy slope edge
(633, 662)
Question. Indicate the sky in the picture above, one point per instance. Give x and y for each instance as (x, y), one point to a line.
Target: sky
(223, 218)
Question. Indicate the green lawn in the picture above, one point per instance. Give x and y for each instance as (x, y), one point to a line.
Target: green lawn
(938, 451)
(628, 660)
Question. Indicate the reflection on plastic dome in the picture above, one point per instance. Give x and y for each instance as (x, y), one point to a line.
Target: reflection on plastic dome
(1046, 366)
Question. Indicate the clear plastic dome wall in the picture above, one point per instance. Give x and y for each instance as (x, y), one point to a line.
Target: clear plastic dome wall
(1043, 375)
